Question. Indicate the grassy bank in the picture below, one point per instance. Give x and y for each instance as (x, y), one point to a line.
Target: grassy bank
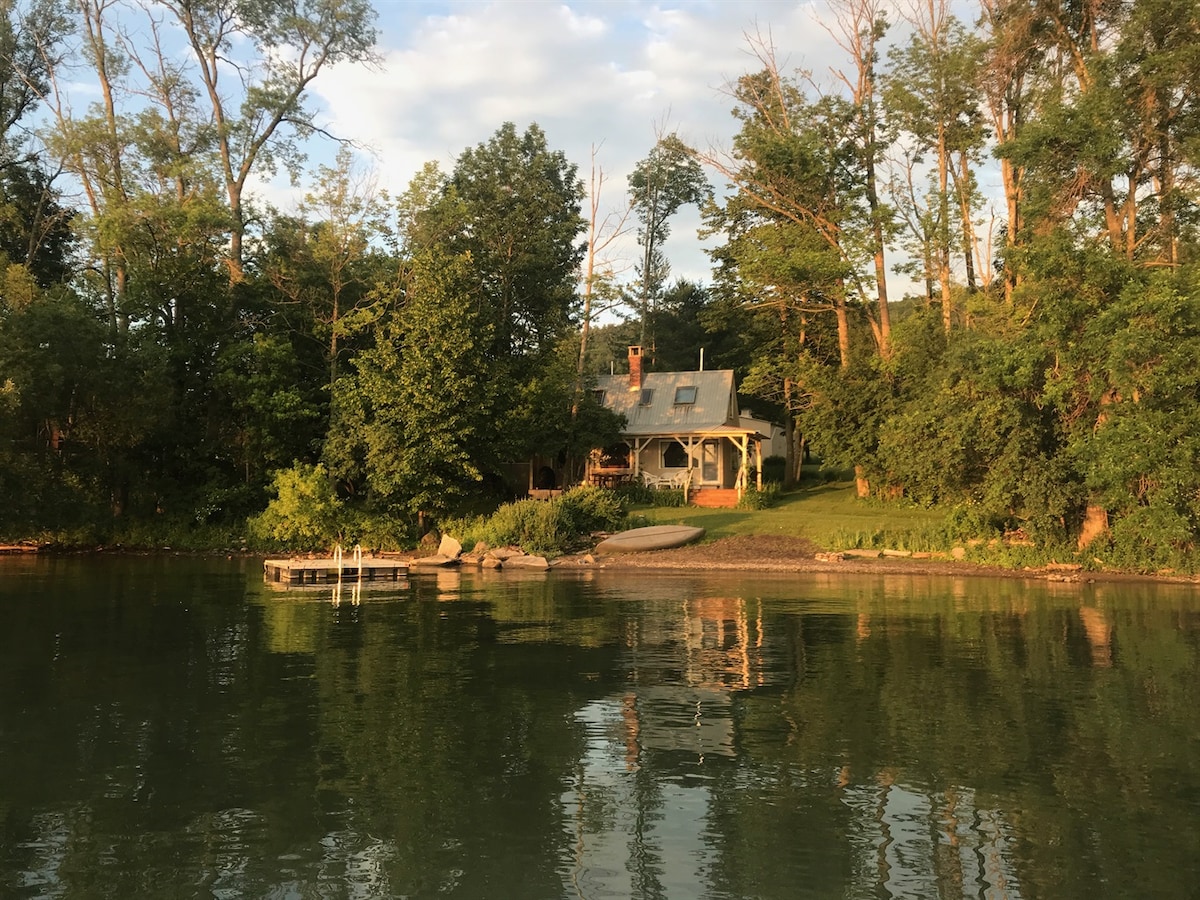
(828, 514)
(833, 517)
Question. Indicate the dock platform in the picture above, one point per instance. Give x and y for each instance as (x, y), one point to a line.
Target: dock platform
(328, 570)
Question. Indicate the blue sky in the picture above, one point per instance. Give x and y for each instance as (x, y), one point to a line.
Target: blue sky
(603, 74)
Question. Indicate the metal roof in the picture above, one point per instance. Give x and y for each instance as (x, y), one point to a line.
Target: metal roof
(715, 406)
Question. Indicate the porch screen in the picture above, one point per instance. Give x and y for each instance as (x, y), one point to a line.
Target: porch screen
(674, 456)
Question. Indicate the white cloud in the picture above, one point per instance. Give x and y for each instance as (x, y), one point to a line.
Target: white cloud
(589, 73)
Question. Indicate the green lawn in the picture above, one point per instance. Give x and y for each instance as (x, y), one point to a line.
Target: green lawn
(830, 515)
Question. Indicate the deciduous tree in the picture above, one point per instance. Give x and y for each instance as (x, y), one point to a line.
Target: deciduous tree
(518, 205)
(659, 185)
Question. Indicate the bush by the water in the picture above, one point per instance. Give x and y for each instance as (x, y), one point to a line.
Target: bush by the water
(305, 514)
(547, 527)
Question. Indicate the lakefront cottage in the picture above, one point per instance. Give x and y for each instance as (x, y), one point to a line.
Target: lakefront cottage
(683, 430)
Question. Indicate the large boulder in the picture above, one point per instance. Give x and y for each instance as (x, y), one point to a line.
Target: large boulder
(433, 561)
(503, 553)
(527, 562)
(449, 547)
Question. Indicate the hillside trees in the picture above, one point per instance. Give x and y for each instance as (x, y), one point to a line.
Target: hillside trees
(597, 280)
(932, 99)
(161, 159)
(35, 227)
(1101, 270)
(801, 231)
(51, 353)
(471, 358)
(1026, 410)
(859, 29)
(325, 262)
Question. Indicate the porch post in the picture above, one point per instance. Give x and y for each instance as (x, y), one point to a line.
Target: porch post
(758, 460)
(687, 484)
(639, 444)
(744, 472)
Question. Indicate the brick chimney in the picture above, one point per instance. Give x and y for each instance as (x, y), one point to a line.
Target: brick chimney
(635, 368)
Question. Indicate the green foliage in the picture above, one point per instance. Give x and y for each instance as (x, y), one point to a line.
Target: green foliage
(276, 415)
(376, 531)
(845, 411)
(754, 498)
(305, 513)
(593, 509)
(519, 203)
(415, 423)
(659, 185)
(550, 527)
(773, 469)
(551, 419)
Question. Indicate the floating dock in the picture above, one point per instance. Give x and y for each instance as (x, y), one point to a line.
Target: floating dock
(329, 570)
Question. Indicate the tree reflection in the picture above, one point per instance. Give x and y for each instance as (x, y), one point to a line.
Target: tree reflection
(168, 733)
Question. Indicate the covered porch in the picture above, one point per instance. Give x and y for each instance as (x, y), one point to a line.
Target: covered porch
(722, 458)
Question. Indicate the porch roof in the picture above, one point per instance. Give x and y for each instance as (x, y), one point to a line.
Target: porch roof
(717, 431)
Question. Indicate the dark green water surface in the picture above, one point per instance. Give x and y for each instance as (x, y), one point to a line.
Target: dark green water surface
(173, 727)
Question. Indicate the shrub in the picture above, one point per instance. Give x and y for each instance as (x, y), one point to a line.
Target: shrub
(592, 509)
(377, 530)
(638, 494)
(305, 512)
(548, 527)
(756, 499)
(668, 497)
(773, 469)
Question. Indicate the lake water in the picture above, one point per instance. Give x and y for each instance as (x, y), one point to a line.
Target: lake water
(173, 728)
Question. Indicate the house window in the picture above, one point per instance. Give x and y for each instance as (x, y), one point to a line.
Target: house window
(615, 457)
(598, 396)
(674, 456)
(647, 397)
(685, 395)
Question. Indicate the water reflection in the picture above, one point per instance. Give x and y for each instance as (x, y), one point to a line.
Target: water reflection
(631, 838)
(187, 731)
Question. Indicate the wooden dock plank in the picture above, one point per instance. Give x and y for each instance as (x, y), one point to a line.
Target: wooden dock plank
(316, 570)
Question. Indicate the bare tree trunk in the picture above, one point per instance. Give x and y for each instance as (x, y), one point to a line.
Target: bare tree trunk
(963, 190)
(601, 234)
(860, 27)
(1095, 524)
(862, 485)
(791, 461)
(843, 329)
(1010, 30)
(943, 229)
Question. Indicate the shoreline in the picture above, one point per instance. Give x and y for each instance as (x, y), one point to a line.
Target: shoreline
(765, 554)
(778, 555)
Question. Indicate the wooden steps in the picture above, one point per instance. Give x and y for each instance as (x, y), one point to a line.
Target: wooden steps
(714, 498)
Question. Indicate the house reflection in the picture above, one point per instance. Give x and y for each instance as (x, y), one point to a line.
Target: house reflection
(720, 643)
(1099, 635)
(659, 796)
